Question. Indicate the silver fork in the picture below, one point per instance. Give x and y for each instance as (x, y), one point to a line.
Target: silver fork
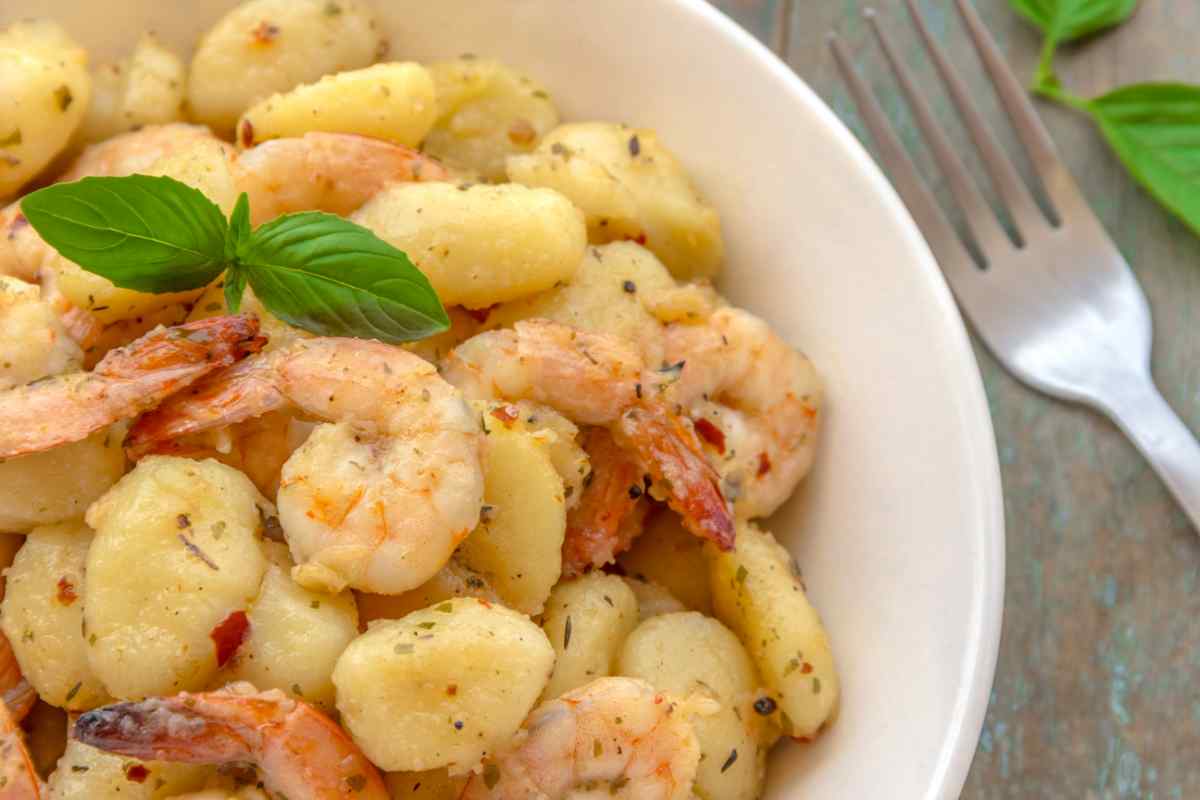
(1059, 307)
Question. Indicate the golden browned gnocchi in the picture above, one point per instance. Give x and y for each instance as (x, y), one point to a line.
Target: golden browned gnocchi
(286, 619)
(630, 186)
(457, 678)
(266, 46)
(487, 111)
(757, 591)
(480, 245)
(85, 773)
(587, 620)
(44, 91)
(146, 88)
(517, 548)
(43, 616)
(688, 653)
(171, 572)
(386, 101)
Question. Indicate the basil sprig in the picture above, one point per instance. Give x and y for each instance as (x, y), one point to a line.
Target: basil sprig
(316, 271)
(1154, 128)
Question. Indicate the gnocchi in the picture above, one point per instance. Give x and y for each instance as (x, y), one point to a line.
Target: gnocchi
(480, 245)
(688, 653)
(386, 101)
(266, 46)
(610, 292)
(630, 186)
(44, 91)
(147, 88)
(757, 591)
(517, 548)
(586, 621)
(172, 570)
(486, 111)
(85, 773)
(286, 619)
(43, 616)
(457, 678)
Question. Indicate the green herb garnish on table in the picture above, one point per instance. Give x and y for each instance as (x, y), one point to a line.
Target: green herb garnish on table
(1154, 128)
(316, 271)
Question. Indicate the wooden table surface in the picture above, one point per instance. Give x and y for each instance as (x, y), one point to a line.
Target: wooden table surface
(1095, 694)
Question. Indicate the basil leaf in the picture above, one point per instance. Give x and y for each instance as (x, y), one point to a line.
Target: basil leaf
(331, 277)
(152, 234)
(1155, 130)
(1067, 20)
(239, 226)
(235, 287)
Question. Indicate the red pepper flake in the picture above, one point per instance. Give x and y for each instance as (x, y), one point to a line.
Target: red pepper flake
(480, 315)
(806, 668)
(506, 414)
(247, 133)
(264, 32)
(452, 689)
(658, 699)
(66, 591)
(640, 238)
(764, 464)
(711, 434)
(228, 636)
(136, 773)
(809, 411)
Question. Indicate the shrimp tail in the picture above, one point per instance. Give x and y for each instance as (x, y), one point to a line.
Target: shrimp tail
(226, 397)
(301, 753)
(671, 453)
(214, 343)
(126, 382)
(161, 729)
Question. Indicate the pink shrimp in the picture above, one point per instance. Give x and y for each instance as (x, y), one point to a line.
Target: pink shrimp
(301, 753)
(126, 382)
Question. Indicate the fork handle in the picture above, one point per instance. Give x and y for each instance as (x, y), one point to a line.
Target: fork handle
(1168, 444)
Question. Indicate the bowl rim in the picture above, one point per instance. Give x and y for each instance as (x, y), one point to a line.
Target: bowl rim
(978, 667)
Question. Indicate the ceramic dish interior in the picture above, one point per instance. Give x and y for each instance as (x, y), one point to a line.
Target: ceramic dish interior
(899, 530)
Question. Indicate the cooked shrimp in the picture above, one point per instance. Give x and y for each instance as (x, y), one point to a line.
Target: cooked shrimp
(754, 400)
(614, 737)
(611, 509)
(597, 379)
(301, 753)
(126, 382)
(334, 172)
(18, 778)
(379, 497)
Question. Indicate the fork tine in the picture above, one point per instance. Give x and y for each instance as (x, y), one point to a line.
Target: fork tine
(956, 263)
(1013, 191)
(985, 228)
(1032, 132)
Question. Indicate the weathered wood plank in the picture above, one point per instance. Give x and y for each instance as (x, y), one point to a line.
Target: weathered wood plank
(1095, 694)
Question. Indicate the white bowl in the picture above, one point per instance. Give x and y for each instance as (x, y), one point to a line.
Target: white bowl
(899, 529)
